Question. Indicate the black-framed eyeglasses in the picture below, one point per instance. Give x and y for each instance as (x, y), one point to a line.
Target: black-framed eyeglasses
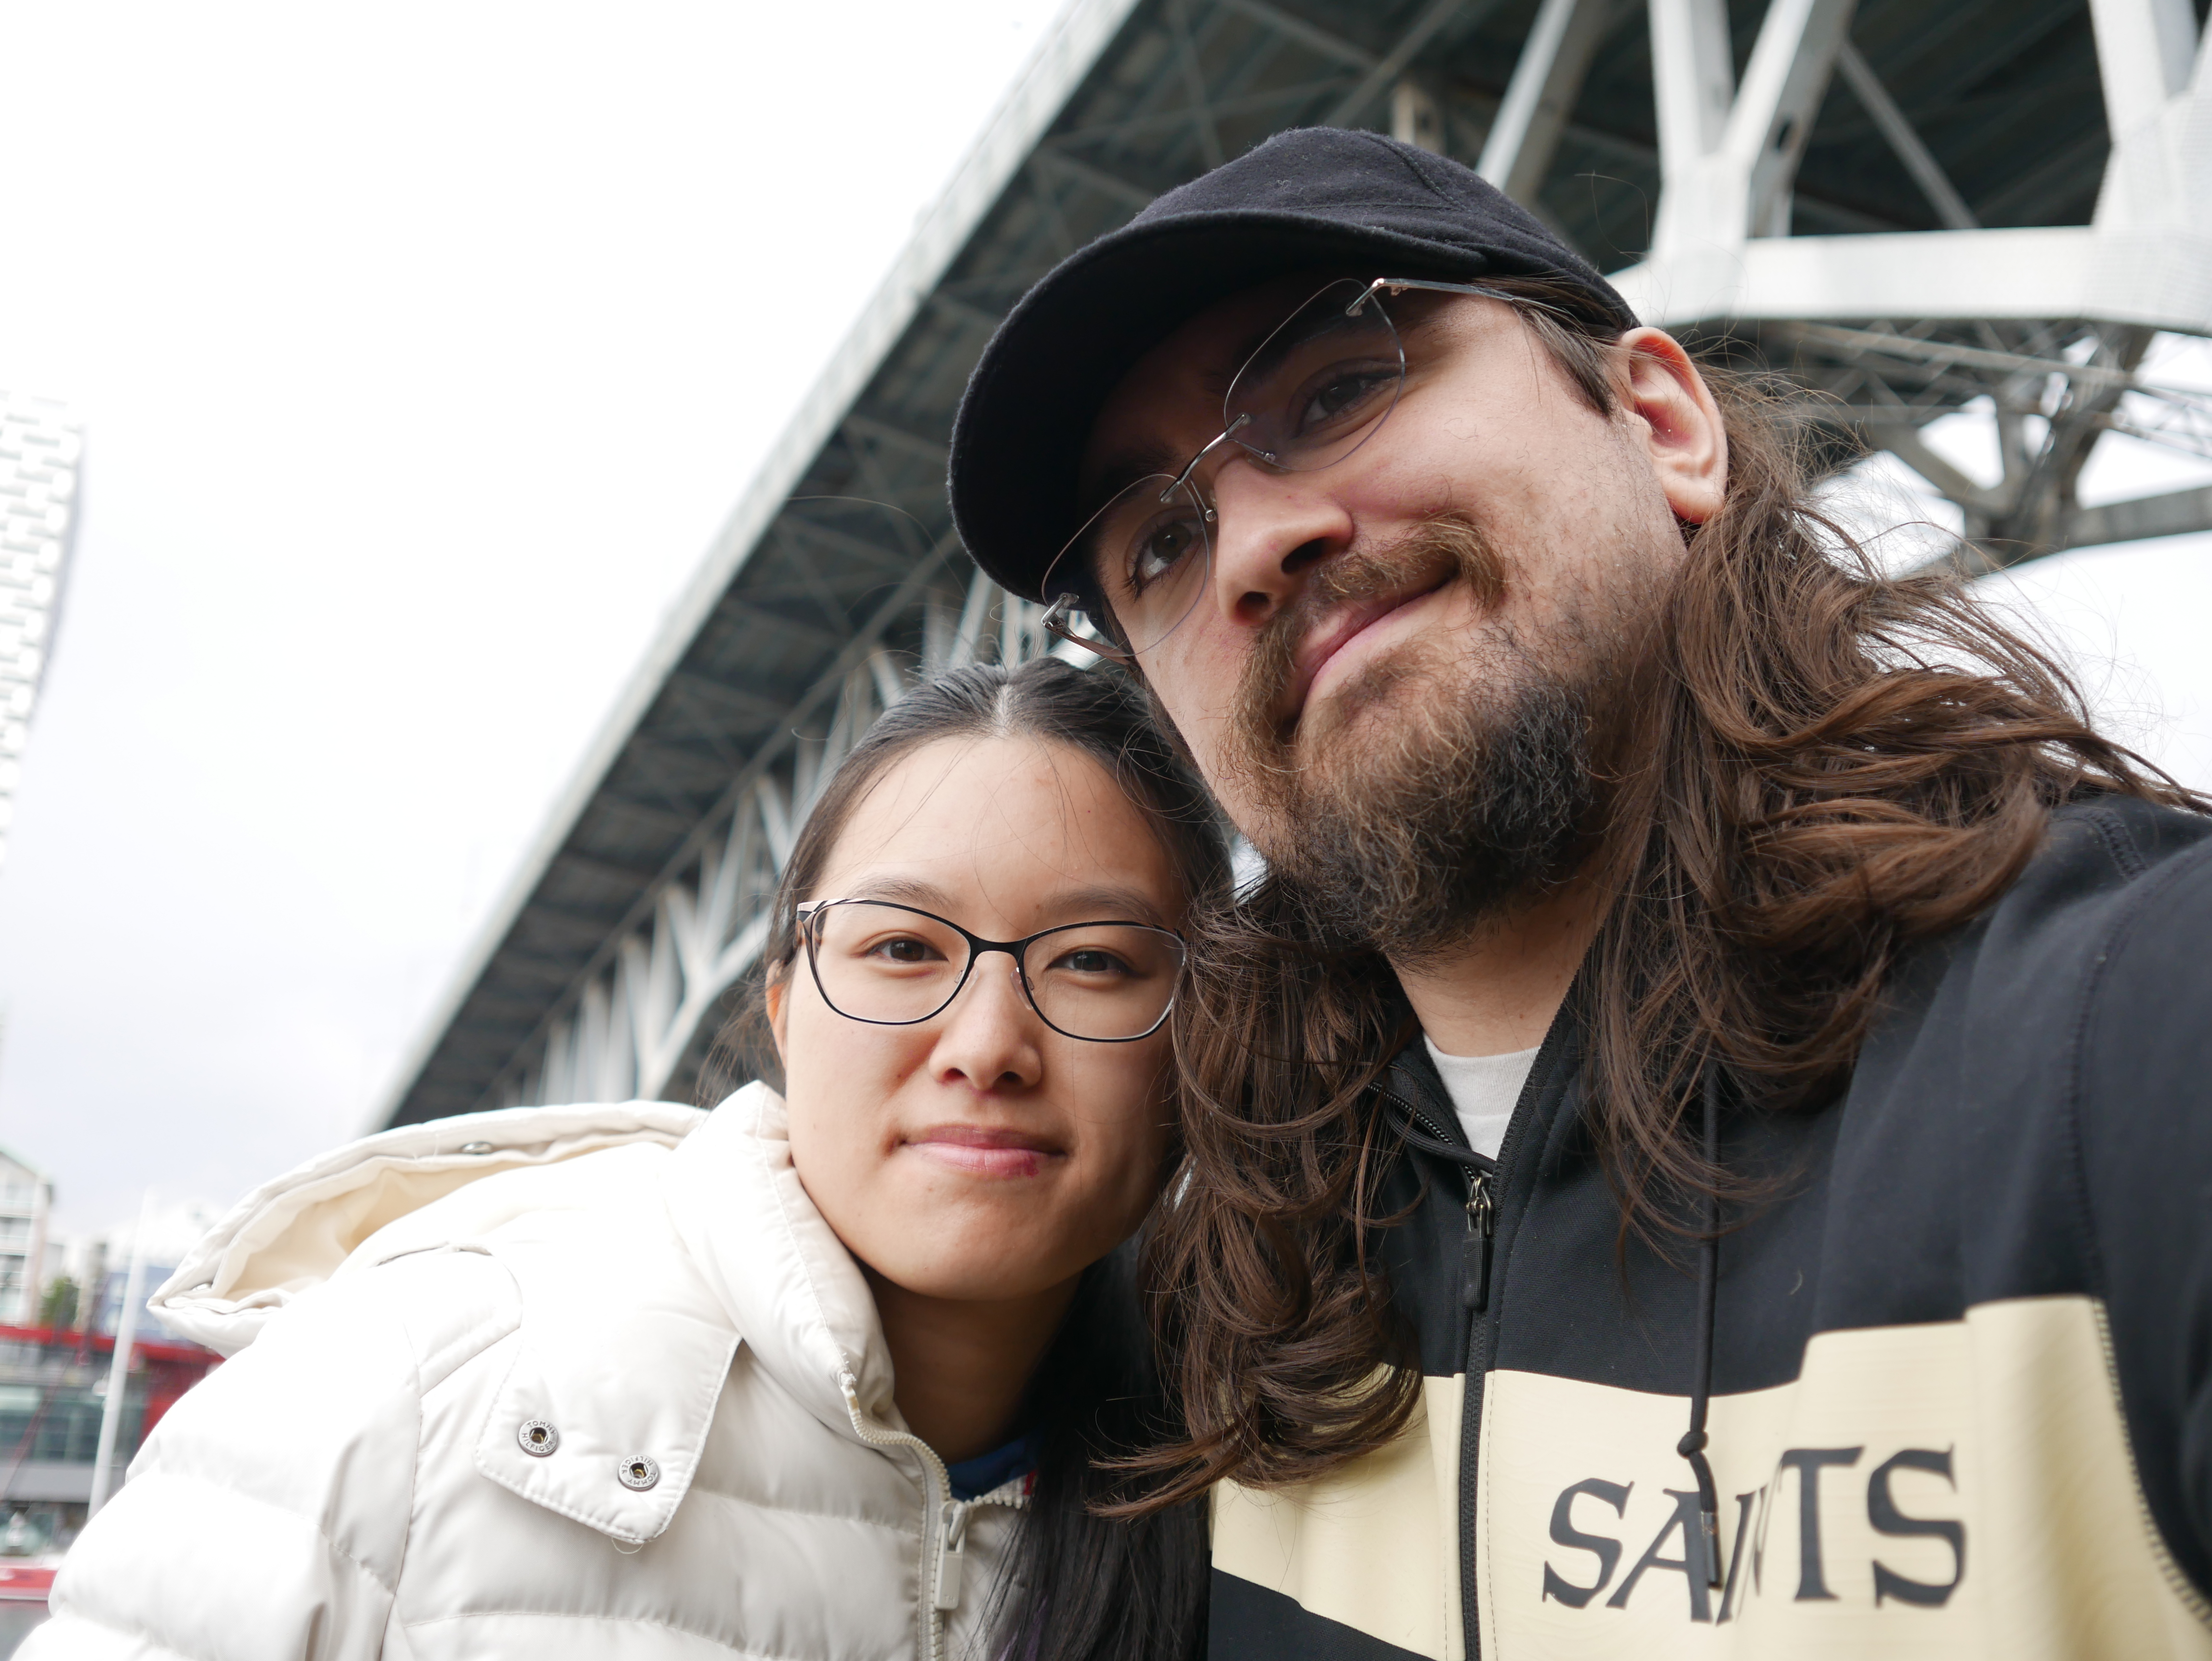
(1318, 387)
(896, 965)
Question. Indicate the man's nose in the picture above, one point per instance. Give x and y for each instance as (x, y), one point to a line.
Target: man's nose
(990, 1033)
(1270, 531)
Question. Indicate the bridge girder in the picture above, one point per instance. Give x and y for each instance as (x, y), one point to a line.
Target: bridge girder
(1899, 211)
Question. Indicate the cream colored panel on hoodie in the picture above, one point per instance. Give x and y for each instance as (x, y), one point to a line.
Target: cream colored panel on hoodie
(1957, 1488)
(1373, 1546)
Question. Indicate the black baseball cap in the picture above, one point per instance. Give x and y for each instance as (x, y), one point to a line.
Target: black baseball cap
(1313, 197)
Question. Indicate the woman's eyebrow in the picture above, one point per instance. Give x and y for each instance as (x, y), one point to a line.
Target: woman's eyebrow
(1099, 902)
(904, 891)
(1108, 903)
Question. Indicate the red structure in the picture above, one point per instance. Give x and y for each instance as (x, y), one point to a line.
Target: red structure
(168, 1369)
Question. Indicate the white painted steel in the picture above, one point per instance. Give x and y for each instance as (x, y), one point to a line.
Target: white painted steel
(1547, 80)
(1009, 142)
(41, 446)
(627, 1031)
(1720, 254)
(1718, 248)
(119, 1370)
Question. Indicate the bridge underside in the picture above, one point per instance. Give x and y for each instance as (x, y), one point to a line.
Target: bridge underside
(1900, 210)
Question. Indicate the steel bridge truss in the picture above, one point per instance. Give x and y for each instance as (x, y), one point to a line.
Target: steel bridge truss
(1898, 210)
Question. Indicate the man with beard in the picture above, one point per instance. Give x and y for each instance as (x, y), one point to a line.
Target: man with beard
(1700, 1142)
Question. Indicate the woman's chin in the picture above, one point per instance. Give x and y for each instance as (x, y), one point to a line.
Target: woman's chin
(982, 1267)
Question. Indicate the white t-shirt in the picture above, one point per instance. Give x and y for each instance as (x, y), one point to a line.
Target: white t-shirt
(1484, 1089)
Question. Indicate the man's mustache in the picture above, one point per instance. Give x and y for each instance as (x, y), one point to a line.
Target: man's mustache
(1448, 547)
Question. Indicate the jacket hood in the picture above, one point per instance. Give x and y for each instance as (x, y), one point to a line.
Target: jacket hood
(292, 1233)
(643, 1235)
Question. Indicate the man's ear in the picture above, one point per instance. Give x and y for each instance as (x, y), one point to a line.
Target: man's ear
(773, 998)
(1687, 441)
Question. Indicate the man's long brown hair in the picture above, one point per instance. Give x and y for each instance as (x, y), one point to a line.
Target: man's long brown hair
(1833, 765)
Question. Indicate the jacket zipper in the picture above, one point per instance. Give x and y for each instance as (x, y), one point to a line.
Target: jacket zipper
(944, 1523)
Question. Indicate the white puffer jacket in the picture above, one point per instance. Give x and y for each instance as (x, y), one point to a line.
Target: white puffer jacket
(551, 1381)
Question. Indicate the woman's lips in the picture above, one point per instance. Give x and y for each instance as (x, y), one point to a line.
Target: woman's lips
(982, 1151)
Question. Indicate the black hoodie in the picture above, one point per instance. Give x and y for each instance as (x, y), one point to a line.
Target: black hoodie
(1960, 1361)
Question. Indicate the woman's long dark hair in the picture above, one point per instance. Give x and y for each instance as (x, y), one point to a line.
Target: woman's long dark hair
(1833, 764)
(1081, 1586)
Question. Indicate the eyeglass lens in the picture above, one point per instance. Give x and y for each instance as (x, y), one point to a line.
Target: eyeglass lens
(887, 963)
(1312, 392)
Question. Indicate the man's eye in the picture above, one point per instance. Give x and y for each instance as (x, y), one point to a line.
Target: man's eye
(1161, 547)
(1344, 391)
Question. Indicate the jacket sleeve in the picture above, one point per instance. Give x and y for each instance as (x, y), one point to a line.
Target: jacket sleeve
(2143, 1104)
(266, 1518)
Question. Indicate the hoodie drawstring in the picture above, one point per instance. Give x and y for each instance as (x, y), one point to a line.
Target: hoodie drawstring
(1693, 1444)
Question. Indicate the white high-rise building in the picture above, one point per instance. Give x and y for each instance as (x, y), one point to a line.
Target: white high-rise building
(41, 447)
(27, 1197)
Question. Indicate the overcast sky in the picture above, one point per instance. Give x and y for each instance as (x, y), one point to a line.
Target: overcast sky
(420, 349)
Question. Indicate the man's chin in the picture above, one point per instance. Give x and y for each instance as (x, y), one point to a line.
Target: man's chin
(1387, 709)
(1413, 810)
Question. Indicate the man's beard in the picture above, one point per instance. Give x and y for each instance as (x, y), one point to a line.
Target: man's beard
(1409, 833)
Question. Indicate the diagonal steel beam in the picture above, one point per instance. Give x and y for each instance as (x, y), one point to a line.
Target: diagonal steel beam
(1547, 80)
(1311, 36)
(1935, 184)
(1791, 64)
(1946, 352)
(875, 430)
(2175, 513)
(1126, 191)
(1194, 80)
(701, 830)
(1392, 64)
(1122, 131)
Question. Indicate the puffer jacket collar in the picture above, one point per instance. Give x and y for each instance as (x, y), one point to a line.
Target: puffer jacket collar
(622, 1356)
(784, 1279)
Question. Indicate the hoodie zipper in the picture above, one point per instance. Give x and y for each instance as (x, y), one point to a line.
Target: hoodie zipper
(944, 1526)
(1480, 1241)
(1479, 1251)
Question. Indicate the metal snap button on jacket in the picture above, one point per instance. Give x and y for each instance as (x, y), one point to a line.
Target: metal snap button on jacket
(537, 1437)
(476, 1147)
(638, 1472)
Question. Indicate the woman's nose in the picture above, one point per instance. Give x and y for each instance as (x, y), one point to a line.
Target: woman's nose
(990, 1033)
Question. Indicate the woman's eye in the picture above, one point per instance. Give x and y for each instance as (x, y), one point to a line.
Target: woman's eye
(1091, 960)
(904, 949)
(1342, 391)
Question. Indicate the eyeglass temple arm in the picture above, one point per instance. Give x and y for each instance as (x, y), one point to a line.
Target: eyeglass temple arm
(1399, 284)
(1057, 621)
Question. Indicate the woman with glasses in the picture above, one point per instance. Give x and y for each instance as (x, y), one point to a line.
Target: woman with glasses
(828, 1371)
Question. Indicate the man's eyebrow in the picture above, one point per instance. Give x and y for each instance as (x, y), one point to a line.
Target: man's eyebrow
(1218, 379)
(1124, 468)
